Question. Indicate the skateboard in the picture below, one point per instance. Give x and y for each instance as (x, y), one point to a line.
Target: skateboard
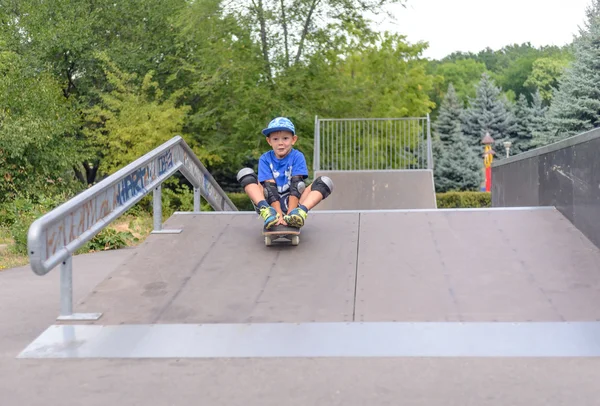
(278, 232)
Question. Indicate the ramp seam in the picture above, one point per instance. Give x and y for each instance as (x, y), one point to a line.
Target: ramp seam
(356, 268)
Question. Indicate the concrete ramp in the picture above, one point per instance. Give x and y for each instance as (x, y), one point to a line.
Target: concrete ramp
(370, 308)
(381, 189)
(217, 284)
(478, 265)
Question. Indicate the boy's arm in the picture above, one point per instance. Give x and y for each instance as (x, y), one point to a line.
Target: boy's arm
(276, 204)
(299, 169)
(265, 175)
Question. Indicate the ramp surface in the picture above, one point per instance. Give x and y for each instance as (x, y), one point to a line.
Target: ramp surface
(410, 266)
(432, 265)
(381, 189)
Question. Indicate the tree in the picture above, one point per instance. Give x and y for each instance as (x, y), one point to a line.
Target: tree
(37, 147)
(458, 166)
(288, 30)
(539, 123)
(545, 75)
(449, 116)
(487, 112)
(131, 121)
(576, 105)
(62, 36)
(463, 74)
(521, 141)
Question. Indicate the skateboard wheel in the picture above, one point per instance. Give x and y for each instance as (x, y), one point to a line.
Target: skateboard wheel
(267, 240)
(295, 239)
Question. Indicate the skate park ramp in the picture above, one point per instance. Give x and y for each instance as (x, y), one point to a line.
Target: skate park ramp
(489, 306)
(384, 266)
(565, 175)
(380, 189)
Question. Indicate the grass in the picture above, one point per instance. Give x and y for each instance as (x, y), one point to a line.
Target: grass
(128, 231)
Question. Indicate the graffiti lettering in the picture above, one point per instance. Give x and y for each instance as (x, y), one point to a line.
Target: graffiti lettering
(71, 226)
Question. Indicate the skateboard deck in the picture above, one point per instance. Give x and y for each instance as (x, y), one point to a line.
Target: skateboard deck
(280, 232)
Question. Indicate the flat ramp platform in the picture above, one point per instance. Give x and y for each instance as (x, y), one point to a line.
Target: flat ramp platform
(426, 266)
(512, 265)
(380, 189)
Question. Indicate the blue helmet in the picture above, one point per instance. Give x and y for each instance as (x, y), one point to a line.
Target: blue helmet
(280, 124)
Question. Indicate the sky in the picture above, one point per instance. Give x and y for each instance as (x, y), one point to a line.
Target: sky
(473, 25)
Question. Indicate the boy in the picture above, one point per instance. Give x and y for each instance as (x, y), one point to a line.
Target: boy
(279, 193)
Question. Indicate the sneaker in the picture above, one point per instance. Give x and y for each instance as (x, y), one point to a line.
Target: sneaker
(270, 215)
(296, 217)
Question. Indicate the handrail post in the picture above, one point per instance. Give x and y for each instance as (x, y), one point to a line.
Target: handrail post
(157, 209)
(197, 200)
(317, 145)
(66, 287)
(66, 294)
(429, 144)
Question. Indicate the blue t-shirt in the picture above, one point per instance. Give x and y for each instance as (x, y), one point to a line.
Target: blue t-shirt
(282, 170)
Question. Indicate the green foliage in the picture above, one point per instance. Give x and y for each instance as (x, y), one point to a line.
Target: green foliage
(576, 105)
(487, 113)
(458, 166)
(131, 121)
(96, 83)
(176, 196)
(18, 215)
(522, 140)
(110, 239)
(36, 127)
(538, 125)
(390, 76)
(454, 199)
(450, 113)
(241, 201)
(463, 74)
(545, 75)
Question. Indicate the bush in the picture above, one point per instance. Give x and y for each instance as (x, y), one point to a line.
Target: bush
(241, 201)
(110, 239)
(18, 215)
(450, 200)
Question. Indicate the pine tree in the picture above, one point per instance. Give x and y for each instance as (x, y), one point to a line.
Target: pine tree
(575, 107)
(538, 125)
(521, 141)
(459, 167)
(449, 115)
(487, 112)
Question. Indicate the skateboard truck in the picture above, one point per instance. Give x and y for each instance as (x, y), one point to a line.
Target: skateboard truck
(279, 232)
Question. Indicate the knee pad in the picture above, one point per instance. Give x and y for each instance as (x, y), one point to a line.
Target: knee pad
(270, 191)
(246, 176)
(297, 186)
(324, 185)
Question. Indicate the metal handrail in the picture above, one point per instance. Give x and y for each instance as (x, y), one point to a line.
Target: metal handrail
(53, 238)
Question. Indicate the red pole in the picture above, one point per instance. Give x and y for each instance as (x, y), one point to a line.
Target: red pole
(488, 179)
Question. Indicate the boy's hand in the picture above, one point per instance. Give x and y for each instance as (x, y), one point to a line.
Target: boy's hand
(281, 220)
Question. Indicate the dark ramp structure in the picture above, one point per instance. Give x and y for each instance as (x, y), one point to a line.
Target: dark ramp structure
(376, 305)
(565, 175)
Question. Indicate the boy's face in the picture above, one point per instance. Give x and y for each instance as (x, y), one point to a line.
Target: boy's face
(281, 142)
